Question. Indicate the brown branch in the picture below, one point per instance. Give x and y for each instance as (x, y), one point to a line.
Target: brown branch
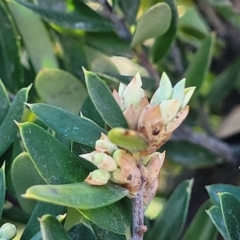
(214, 145)
(138, 228)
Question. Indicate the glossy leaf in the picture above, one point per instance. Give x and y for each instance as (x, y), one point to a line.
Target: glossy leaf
(103, 234)
(230, 207)
(163, 43)
(86, 19)
(128, 139)
(4, 102)
(77, 195)
(214, 189)
(33, 226)
(216, 217)
(52, 229)
(81, 231)
(199, 64)
(2, 189)
(189, 154)
(153, 23)
(224, 83)
(35, 37)
(11, 70)
(8, 128)
(61, 89)
(104, 102)
(112, 218)
(54, 162)
(178, 204)
(24, 175)
(77, 129)
(201, 227)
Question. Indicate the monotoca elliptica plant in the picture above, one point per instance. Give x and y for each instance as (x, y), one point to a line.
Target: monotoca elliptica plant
(129, 157)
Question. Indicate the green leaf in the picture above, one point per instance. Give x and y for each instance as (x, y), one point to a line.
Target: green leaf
(85, 19)
(129, 9)
(54, 162)
(112, 218)
(189, 154)
(74, 55)
(24, 175)
(153, 23)
(59, 88)
(81, 231)
(163, 43)
(174, 214)
(11, 70)
(104, 101)
(200, 62)
(77, 195)
(89, 111)
(108, 43)
(214, 189)
(4, 102)
(216, 217)
(103, 234)
(35, 37)
(8, 128)
(72, 127)
(224, 83)
(201, 227)
(33, 227)
(128, 139)
(230, 207)
(52, 229)
(2, 189)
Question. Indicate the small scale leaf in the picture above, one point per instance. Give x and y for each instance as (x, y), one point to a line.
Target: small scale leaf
(77, 195)
(52, 229)
(8, 128)
(230, 208)
(178, 91)
(164, 91)
(153, 23)
(128, 139)
(104, 101)
(169, 109)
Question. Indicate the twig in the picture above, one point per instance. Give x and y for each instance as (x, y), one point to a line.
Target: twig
(138, 228)
(120, 25)
(214, 145)
(143, 59)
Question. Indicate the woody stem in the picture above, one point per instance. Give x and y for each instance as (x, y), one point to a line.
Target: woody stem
(138, 228)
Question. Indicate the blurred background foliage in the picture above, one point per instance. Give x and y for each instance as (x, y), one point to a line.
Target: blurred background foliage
(47, 42)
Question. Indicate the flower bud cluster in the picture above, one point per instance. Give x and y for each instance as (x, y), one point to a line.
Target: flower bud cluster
(155, 121)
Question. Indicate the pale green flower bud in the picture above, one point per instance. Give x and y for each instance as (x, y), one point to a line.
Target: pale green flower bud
(98, 177)
(105, 145)
(8, 231)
